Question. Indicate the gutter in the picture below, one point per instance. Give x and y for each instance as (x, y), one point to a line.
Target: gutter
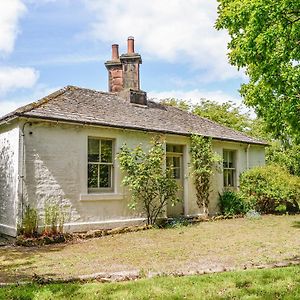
(62, 120)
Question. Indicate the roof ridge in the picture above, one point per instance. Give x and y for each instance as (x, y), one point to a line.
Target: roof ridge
(93, 90)
(35, 104)
(43, 100)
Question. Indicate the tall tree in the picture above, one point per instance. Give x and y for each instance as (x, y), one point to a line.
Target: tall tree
(265, 40)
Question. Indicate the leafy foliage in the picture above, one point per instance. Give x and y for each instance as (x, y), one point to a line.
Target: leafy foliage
(179, 103)
(271, 188)
(288, 157)
(203, 159)
(228, 114)
(232, 203)
(265, 41)
(29, 226)
(150, 183)
(54, 219)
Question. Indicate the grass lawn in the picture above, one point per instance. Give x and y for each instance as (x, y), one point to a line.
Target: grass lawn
(225, 244)
(283, 283)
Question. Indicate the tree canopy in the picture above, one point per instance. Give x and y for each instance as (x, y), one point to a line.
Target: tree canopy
(265, 41)
(228, 114)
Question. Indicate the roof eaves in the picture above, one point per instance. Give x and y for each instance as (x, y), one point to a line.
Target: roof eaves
(136, 128)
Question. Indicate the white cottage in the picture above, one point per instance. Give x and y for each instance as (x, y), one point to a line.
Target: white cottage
(62, 149)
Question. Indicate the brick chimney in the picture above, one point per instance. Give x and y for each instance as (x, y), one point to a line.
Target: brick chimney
(124, 74)
(114, 67)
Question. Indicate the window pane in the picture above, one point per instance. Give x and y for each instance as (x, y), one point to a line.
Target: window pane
(225, 159)
(225, 178)
(92, 176)
(177, 148)
(105, 176)
(231, 178)
(230, 159)
(169, 162)
(169, 148)
(176, 162)
(176, 173)
(174, 148)
(106, 151)
(93, 150)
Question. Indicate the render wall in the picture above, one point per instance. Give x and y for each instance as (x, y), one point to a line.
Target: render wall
(56, 171)
(9, 161)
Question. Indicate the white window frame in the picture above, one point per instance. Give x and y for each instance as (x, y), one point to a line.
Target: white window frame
(231, 170)
(102, 189)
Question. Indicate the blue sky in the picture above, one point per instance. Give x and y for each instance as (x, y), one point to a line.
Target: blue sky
(48, 44)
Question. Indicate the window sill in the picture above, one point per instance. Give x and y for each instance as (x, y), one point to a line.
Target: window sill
(101, 197)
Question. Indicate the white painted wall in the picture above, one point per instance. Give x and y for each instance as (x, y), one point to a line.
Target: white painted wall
(256, 157)
(56, 171)
(9, 161)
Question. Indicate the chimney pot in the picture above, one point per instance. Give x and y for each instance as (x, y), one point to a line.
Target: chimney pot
(130, 45)
(115, 52)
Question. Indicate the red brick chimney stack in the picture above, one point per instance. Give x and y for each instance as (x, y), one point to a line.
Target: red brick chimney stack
(124, 74)
(130, 45)
(115, 52)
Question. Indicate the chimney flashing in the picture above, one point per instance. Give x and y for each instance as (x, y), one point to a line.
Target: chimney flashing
(134, 96)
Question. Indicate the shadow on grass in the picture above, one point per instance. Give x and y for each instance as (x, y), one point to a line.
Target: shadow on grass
(296, 224)
(17, 263)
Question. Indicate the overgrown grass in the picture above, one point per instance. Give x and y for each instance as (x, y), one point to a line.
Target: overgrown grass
(222, 244)
(283, 283)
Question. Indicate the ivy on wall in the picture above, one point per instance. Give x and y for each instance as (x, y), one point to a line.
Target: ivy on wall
(203, 160)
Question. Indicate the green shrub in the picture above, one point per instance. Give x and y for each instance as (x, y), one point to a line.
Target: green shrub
(232, 203)
(271, 188)
(29, 226)
(151, 185)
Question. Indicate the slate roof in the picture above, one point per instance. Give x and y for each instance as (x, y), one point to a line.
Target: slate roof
(80, 105)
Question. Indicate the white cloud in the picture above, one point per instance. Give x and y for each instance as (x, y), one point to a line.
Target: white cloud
(195, 95)
(176, 31)
(10, 13)
(13, 78)
(9, 106)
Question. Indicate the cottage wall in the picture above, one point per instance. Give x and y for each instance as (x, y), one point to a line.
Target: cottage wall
(9, 162)
(56, 171)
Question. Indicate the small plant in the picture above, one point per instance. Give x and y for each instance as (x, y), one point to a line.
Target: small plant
(54, 219)
(151, 185)
(231, 203)
(29, 226)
